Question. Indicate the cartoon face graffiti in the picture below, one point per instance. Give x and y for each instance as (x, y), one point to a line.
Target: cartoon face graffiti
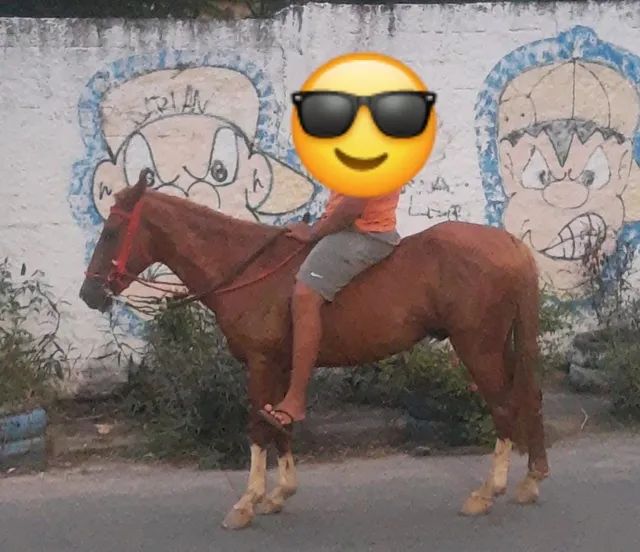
(194, 128)
(566, 157)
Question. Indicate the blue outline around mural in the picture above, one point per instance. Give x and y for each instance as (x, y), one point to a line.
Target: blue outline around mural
(96, 150)
(579, 42)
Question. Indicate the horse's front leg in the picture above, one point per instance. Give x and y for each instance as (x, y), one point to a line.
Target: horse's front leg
(243, 511)
(265, 385)
(287, 480)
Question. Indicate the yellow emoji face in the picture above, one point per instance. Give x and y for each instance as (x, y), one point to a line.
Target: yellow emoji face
(364, 124)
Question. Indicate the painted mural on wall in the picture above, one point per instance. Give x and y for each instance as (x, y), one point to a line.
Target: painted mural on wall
(557, 128)
(208, 131)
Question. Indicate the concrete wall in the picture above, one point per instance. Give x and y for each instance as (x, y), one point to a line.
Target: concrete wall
(537, 103)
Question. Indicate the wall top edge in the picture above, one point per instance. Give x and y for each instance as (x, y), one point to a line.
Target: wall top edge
(356, 4)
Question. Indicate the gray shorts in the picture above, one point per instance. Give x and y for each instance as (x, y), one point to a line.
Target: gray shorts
(338, 258)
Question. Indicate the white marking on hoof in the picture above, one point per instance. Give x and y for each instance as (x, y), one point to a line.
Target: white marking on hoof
(287, 486)
(501, 462)
(242, 512)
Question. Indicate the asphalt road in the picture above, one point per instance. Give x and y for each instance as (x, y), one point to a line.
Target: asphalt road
(591, 503)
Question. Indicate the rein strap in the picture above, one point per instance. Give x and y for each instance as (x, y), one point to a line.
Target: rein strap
(239, 270)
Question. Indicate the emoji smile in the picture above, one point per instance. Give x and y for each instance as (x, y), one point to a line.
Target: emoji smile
(358, 163)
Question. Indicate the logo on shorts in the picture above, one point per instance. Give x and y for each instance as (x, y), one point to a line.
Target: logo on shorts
(315, 275)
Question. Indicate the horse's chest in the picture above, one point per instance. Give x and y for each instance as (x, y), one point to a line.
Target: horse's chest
(258, 325)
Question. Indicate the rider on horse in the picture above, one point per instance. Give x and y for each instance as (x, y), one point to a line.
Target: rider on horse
(352, 235)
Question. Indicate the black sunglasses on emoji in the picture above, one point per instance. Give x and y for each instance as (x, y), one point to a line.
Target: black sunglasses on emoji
(399, 114)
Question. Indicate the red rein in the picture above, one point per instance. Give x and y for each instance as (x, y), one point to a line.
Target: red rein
(119, 269)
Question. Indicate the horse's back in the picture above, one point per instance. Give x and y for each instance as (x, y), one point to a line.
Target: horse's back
(461, 233)
(467, 243)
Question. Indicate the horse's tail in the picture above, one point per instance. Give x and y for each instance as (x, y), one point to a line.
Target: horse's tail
(526, 396)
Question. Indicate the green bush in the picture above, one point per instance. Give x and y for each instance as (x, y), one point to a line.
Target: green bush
(613, 300)
(623, 363)
(434, 386)
(190, 390)
(556, 317)
(29, 363)
(620, 359)
(426, 382)
(608, 284)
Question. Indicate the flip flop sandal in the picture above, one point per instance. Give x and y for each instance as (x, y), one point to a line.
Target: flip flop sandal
(272, 420)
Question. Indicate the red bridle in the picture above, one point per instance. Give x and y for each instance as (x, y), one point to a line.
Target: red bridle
(119, 269)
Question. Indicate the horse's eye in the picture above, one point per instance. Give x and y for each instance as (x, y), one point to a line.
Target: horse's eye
(110, 235)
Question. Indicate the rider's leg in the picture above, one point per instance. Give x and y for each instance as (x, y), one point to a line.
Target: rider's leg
(307, 332)
(330, 266)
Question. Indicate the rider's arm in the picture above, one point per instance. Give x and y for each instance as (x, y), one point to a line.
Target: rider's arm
(341, 217)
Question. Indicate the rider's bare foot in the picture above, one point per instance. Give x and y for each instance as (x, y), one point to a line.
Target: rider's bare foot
(282, 415)
(286, 412)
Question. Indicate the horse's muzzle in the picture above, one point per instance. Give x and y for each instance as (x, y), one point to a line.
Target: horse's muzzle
(94, 295)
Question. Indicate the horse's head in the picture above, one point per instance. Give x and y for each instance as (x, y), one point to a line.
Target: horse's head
(122, 252)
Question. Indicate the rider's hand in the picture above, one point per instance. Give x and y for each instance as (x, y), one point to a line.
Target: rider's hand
(300, 231)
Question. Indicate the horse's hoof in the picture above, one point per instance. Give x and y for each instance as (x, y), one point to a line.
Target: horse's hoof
(237, 518)
(268, 506)
(527, 491)
(476, 505)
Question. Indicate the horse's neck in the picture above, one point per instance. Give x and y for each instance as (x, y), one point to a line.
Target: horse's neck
(201, 248)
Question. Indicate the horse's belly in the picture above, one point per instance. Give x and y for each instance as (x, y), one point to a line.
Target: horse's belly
(363, 326)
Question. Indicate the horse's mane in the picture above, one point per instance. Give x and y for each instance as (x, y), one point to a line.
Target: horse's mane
(196, 211)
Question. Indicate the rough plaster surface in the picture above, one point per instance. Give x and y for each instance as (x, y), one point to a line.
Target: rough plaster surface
(53, 73)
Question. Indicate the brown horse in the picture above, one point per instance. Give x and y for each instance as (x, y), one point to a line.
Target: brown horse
(476, 285)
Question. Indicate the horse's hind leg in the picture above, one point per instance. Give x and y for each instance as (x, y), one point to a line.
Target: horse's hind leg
(489, 370)
(480, 501)
(527, 491)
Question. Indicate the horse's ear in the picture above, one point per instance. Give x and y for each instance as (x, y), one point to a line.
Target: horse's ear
(147, 178)
(135, 193)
